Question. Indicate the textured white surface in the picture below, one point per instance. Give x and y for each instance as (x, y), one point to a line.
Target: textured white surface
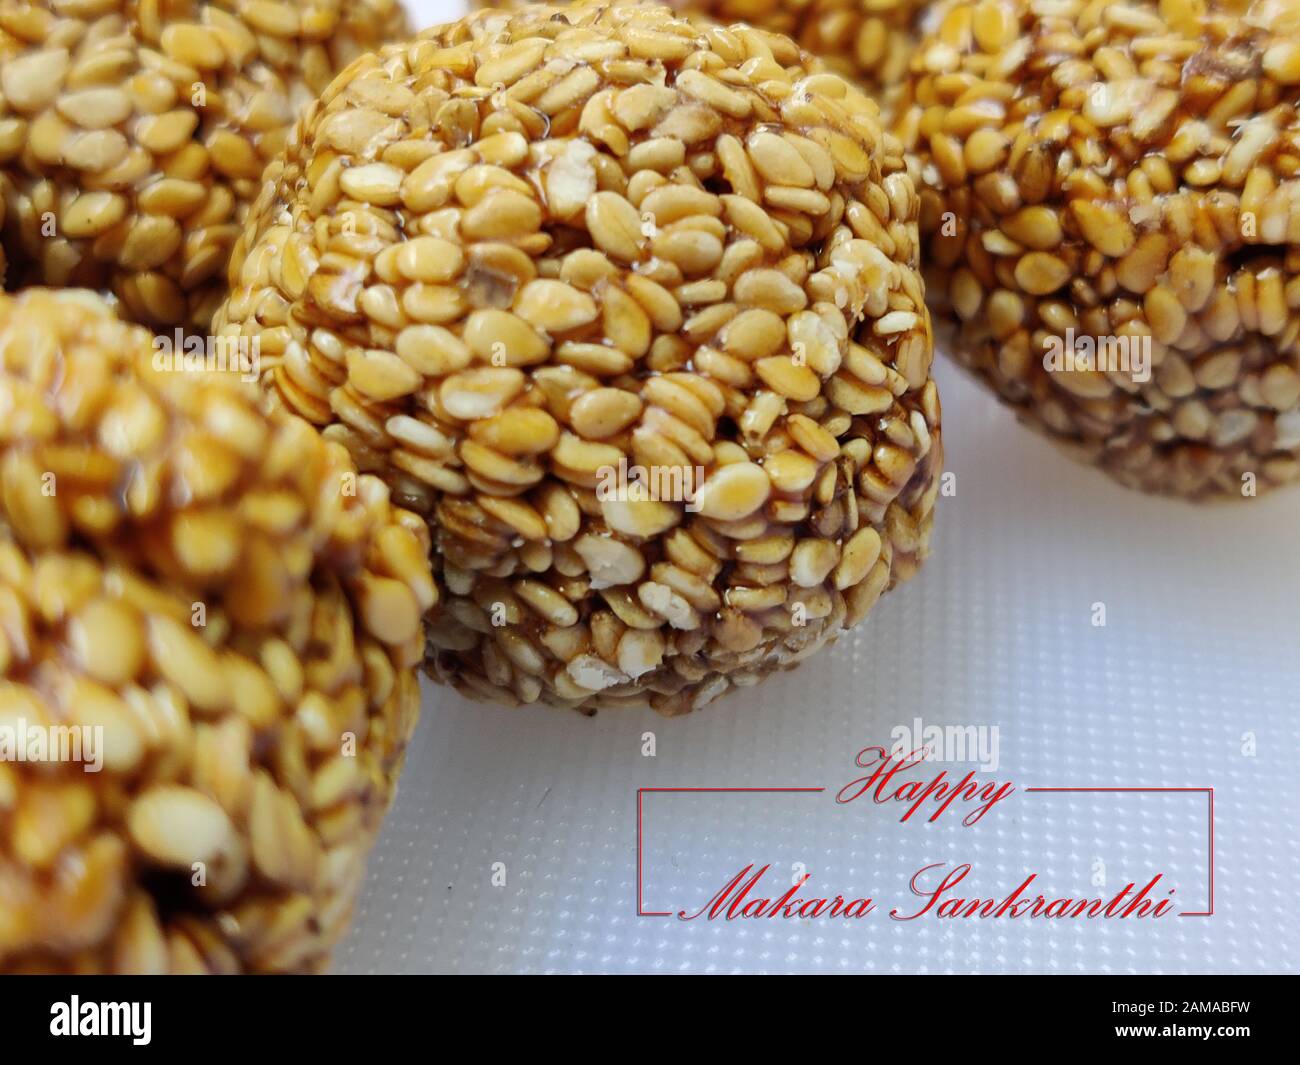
(1201, 647)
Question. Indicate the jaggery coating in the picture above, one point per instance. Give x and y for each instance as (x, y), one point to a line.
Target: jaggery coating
(870, 41)
(233, 612)
(1128, 174)
(528, 251)
(133, 134)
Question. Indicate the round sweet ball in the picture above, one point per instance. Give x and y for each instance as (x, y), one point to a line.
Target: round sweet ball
(630, 309)
(870, 41)
(1111, 217)
(133, 134)
(208, 630)
(867, 40)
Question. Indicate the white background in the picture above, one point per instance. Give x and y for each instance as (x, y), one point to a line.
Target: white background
(1200, 649)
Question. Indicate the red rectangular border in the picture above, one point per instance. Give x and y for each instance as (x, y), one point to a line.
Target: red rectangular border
(1205, 791)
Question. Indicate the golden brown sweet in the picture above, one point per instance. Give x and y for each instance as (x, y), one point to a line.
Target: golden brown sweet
(631, 310)
(208, 624)
(870, 41)
(133, 134)
(1111, 211)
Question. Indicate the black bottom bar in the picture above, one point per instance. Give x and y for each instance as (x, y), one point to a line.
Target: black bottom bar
(381, 1015)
